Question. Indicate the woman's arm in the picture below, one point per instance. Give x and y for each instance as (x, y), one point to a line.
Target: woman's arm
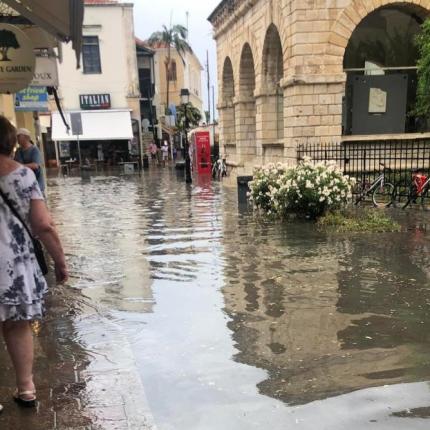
(43, 227)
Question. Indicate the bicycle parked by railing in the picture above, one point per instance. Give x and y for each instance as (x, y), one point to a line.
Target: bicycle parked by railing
(418, 190)
(219, 169)
(381, 191)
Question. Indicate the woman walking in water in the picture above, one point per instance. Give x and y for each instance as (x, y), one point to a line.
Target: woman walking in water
(22, 284)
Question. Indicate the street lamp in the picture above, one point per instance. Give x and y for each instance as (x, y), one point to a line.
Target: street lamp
(185, 100)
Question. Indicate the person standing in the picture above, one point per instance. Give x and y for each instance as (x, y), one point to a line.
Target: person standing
(29, 155)
(165, 152)
(153, 150)
(22, 284)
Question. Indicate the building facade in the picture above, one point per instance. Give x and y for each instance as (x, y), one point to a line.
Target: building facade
(292, 72)
(105, 90)
(183, 74)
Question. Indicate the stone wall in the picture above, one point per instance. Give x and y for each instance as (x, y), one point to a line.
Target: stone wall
(280, 72)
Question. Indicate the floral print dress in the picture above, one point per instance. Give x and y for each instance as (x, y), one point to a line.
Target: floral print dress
(22, 284)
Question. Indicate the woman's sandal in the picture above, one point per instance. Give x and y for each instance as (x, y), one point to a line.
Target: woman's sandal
(25, 403)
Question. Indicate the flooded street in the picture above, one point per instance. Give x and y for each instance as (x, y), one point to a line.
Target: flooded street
(230, 322)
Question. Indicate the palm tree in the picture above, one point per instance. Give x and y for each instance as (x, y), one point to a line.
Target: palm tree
(188, 115)
(173, 37)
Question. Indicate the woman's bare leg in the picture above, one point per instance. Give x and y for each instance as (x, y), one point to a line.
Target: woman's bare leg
(19, 341)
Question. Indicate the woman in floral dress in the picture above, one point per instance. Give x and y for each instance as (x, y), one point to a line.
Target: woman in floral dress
(22, 285)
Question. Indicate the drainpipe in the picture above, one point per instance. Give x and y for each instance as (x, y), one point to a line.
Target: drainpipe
(39, 141)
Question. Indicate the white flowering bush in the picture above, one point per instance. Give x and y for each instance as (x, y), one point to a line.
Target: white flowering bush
(308, 189)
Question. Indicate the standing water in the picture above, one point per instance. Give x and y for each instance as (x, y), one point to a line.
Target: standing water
(237, 323)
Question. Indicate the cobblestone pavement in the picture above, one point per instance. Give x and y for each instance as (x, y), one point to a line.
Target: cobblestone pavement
(84, 371)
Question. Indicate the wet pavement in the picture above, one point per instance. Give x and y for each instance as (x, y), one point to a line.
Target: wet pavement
(184, 313)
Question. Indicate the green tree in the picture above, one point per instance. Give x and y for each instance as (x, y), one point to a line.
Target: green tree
(422, 106)
(174, 37)
(7, 41)
(192, 114)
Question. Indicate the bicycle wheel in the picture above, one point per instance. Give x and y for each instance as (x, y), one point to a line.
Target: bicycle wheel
(424, 199)
(358, 192)
(383, 195)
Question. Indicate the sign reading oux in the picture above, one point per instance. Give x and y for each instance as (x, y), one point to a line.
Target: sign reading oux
(46, 73)
(17, 59)
(95, 101)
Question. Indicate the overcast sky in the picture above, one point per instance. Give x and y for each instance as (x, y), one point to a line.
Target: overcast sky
(150, 15)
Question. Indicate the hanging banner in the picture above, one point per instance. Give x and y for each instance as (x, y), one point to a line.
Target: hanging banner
(32, 99)
(17, 59)
(46, 74)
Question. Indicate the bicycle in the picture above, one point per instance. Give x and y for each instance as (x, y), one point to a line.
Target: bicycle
(382, 192)
(419, 189)
(219, 169)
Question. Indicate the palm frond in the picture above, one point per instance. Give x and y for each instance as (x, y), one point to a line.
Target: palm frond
(181, 30)
(155, 38)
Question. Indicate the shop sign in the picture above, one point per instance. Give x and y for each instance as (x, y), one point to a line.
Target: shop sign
(17, 59)
(46, 74)
(32, 99)
(95, 101)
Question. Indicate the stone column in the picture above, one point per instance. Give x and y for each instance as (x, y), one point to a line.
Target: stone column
(228, 130)
(313, 110)
(246, 129)
(270, 141)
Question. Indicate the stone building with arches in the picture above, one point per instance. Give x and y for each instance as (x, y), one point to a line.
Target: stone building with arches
(299, 71)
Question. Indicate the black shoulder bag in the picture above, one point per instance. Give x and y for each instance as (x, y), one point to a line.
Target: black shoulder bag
(38, 248)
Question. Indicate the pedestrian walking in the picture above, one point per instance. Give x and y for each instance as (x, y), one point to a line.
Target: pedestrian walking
(29, 155)
(165, 152)
(153, 149)
(22, 284)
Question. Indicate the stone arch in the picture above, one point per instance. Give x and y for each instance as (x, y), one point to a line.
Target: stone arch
(272, 74)
(274, 16)
(351, 17)
(247, 72)
(377, 50)
(227, 110)
(228, 91)
(246, 106)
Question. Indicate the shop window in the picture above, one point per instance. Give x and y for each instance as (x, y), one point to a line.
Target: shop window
(172, 71)
(91, 55)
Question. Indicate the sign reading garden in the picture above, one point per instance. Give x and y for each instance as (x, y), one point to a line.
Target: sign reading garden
(17, 59)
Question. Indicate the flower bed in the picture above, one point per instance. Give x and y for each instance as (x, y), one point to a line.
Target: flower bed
(307, 190)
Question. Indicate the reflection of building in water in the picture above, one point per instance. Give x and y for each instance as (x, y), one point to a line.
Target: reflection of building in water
(105, 241)
(286, 293)
(387, 288)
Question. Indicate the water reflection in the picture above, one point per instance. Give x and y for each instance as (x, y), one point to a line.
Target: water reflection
(233, 320)
(325, 314)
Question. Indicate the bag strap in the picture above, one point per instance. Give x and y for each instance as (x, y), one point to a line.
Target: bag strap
(16, 213)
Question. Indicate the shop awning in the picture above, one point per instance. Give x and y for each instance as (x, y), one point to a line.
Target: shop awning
(96, 125)
(61, 18)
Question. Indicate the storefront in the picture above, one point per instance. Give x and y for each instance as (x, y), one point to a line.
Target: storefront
(103, 137)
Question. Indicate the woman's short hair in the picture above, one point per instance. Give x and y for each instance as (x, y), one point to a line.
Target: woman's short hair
(7, 136)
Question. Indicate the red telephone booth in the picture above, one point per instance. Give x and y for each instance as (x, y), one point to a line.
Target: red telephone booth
(202, 152)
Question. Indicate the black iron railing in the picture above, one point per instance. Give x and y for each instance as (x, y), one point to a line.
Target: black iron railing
(366, 160)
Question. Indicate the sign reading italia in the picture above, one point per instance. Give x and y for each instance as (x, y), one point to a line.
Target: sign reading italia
(17, 59)
(95, 101)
